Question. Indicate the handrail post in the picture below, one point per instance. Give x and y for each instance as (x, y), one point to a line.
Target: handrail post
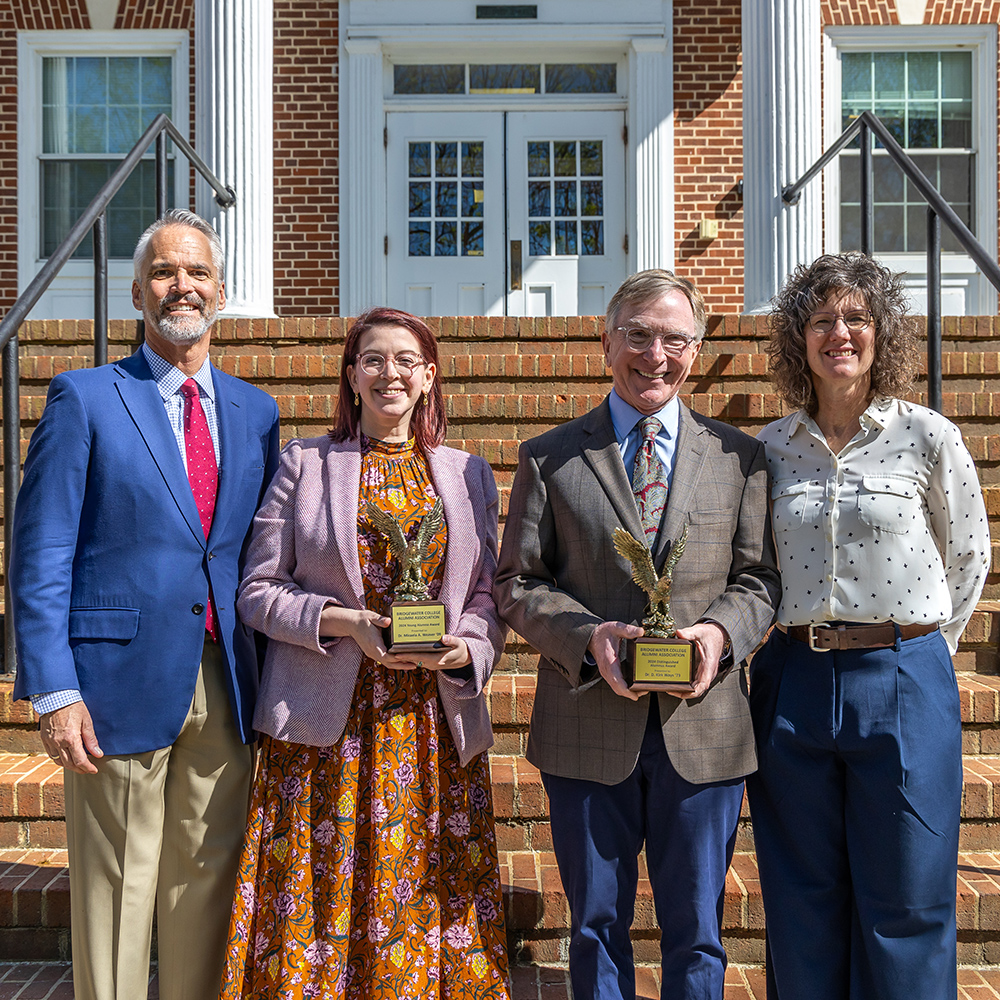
(933, 310)
(867, 190)
(101, 290)
(11, 483)
(161, 174)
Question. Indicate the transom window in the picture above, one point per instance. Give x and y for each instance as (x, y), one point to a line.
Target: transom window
(925, 99)
(94, 108)
(506, 78)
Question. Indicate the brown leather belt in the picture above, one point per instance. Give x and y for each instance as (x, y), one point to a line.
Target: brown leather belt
(844, 635)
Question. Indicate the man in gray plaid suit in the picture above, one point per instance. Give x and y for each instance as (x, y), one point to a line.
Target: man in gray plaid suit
(623, 769)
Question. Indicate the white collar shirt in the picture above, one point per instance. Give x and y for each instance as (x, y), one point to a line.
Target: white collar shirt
(894, 528)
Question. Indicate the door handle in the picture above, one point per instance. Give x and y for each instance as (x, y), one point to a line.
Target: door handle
(515, 265)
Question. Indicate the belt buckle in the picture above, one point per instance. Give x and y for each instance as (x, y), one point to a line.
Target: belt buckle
(812, 636)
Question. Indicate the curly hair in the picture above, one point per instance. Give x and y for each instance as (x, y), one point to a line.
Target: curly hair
(429, 423)
(807, 288)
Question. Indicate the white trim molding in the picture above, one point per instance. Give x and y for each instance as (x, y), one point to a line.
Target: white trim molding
(70, 296)
(781, 141)
(650, 155)
(958, 270)
(234, 128)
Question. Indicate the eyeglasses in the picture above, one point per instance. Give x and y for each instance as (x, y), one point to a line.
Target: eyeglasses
(639, 339)
(855, 320)
(405, 364)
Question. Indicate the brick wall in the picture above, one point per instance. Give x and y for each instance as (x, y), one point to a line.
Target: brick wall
(708, 147)
(306, 156)
(859, 12)
(26, 15)
(508, 380)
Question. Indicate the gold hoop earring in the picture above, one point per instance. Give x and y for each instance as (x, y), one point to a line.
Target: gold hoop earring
(357, 400)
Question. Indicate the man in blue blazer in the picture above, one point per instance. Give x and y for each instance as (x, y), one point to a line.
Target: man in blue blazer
(140, 485)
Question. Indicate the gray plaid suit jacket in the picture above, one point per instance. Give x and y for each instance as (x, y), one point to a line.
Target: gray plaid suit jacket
(559, 577)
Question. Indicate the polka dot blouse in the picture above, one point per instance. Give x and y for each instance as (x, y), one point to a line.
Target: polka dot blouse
(892, 529)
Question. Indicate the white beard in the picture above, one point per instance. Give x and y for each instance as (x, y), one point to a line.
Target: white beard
(187, 329)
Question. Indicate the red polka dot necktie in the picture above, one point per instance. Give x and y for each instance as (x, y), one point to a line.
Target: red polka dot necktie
(202, 469)
(649, 481)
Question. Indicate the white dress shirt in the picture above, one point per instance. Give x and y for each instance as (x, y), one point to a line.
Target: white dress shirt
(893, 528)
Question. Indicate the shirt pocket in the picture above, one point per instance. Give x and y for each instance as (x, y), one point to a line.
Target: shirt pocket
(794, 504)
(889, 504)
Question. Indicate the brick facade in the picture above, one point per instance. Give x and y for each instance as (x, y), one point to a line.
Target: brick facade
(306, 156)
(708, 144)
(15, 16)
(708, 131)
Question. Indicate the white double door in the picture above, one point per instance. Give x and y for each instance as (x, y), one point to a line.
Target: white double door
(504, 213)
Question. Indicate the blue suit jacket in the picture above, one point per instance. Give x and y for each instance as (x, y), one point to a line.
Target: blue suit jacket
(110, 569)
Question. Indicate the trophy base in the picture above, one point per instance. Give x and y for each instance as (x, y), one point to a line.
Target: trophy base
(659, 665)
(417, 626)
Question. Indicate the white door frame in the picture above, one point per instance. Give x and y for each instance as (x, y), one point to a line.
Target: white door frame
(643, 49)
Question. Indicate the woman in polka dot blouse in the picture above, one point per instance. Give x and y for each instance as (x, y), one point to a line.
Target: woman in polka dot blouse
(883, 545)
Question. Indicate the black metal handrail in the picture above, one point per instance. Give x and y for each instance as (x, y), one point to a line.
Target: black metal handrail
(94, 217)
(938, 209)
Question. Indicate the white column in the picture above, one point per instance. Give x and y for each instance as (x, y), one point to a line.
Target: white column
(781, 139)
(234, 134)
(651, 136)
(363, 181)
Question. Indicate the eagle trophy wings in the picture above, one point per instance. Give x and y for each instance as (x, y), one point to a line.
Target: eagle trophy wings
(659, 622)
(411, 554)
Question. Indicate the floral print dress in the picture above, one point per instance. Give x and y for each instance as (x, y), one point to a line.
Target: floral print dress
(369, 868)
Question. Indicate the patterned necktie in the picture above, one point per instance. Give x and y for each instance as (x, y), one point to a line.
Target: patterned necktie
(203, 472)
(649, 481)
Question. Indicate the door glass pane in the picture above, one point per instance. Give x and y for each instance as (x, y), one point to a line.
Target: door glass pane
(539, 239)
(538, 159)
(565, 159)
(452, 198)
(472, 159)
(565, 212)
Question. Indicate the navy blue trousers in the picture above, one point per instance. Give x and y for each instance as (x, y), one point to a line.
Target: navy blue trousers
(689, 831)
(855, 810)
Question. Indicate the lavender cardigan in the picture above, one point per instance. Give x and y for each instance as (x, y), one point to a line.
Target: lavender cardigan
(304, 554)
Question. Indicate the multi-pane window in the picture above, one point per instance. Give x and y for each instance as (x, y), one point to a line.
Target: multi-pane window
(566, 198)
(446, 199)
(94, 108)
(506, 78)
(925, 100)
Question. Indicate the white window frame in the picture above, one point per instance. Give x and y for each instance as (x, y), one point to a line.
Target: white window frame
(71, 293)
(981, 41)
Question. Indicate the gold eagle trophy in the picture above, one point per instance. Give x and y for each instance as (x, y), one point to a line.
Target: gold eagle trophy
(658, 661)
(417, 623)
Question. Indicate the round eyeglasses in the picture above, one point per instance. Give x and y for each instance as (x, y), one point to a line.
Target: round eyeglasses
(405, 364)
(639, 340)
(855, 320)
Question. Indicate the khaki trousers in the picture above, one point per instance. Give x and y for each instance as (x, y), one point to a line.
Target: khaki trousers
(160, 829)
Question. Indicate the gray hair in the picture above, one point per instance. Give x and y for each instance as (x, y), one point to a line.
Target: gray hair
(179, 217)
(647, 286)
